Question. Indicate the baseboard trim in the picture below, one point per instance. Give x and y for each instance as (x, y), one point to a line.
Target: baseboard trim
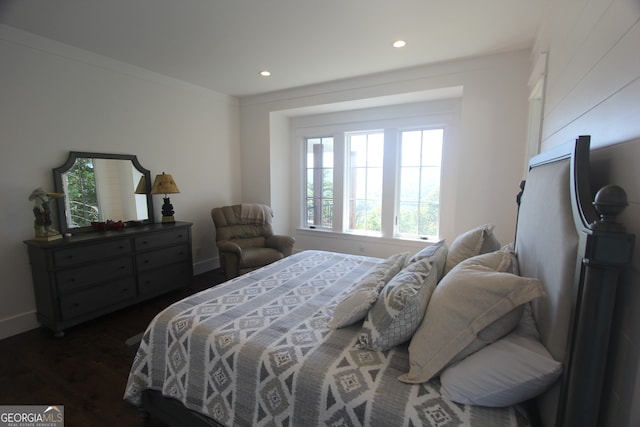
(27, 321)
(205, 265)
(18, 324)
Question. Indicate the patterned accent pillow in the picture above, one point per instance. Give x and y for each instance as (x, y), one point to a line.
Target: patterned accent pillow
(363, 294)
(477, 241)
(476, 293)
(436, 253)
(400, 307)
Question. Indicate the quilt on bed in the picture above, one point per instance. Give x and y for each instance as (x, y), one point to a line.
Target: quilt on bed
(257, 351)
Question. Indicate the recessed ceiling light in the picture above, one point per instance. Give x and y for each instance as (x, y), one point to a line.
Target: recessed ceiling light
(265, 73)
(399, 43)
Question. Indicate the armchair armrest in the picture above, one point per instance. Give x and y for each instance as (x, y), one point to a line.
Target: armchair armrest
(229, 246)
(282, 243)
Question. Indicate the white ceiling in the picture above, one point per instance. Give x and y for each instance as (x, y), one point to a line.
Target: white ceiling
(223, 44)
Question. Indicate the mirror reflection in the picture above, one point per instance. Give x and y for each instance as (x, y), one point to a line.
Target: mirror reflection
(101, 187)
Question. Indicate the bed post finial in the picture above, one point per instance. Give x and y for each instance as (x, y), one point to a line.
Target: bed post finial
(606, 250)
(609, 202)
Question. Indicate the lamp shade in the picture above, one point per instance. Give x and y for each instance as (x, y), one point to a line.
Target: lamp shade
(164, 184)
(142, 186)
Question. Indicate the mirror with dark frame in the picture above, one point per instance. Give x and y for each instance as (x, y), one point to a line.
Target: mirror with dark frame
(99, 187)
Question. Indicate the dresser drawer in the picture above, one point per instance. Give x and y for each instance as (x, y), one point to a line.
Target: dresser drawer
(164, 279)
(96, 298)
(162, 257)
(87, 275)
(149, 241)
(76, 278)
(85, 253)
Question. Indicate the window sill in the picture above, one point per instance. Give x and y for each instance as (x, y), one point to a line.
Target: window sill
(415, 243)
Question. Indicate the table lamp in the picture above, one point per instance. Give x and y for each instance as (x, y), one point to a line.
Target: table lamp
(164, 184)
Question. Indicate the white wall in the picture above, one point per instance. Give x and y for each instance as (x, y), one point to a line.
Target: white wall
(593, 88)
(492, 133)
(56, 98)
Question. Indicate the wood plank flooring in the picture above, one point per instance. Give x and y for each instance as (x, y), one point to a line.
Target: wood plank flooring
(87, 369)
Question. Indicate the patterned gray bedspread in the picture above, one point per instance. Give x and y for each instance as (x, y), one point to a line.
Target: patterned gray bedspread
(256, 351)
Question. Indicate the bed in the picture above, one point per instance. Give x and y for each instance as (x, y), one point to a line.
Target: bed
(279, 346)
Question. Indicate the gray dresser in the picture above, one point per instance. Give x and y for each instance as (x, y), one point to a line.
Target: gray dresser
(87, 275)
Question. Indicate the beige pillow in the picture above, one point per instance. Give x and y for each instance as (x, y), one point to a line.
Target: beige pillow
(475, 294)
(477, 241)
(400, 307)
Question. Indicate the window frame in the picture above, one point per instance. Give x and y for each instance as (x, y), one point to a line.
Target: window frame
(392, 121)
(398, 172)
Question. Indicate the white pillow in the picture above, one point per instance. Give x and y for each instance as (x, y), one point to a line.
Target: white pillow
(475, 294)
(516, 368)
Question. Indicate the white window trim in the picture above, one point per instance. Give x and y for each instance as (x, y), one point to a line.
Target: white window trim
(441, 113)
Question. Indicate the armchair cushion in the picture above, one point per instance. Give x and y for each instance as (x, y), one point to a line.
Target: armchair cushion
(252, 258)
(246, 242)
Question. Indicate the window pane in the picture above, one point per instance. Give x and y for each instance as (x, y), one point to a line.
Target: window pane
(319, 182)
(327, 183)
(408, 218)
(356, 183)
(374, 183)
(358, 151)
(430, 185)
(327, 157)
(419, 195)
(410, 180)
(375, 150)
(429, 218)
(432, 147)
(309, 182)
(366, 155)
(411, 148)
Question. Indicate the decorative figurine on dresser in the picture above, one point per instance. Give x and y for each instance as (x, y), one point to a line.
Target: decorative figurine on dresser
(92, 271)
(42, 211)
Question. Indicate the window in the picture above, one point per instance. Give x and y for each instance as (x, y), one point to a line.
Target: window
(366, 153)
(419, 189)
(319, 182)
(378, 173)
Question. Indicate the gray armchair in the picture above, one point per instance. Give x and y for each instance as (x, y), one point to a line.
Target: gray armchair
(245, 238)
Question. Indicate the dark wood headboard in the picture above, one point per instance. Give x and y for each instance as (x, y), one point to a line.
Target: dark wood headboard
(577, 249)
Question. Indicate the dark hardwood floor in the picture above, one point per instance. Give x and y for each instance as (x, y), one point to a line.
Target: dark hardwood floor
(87, 369)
